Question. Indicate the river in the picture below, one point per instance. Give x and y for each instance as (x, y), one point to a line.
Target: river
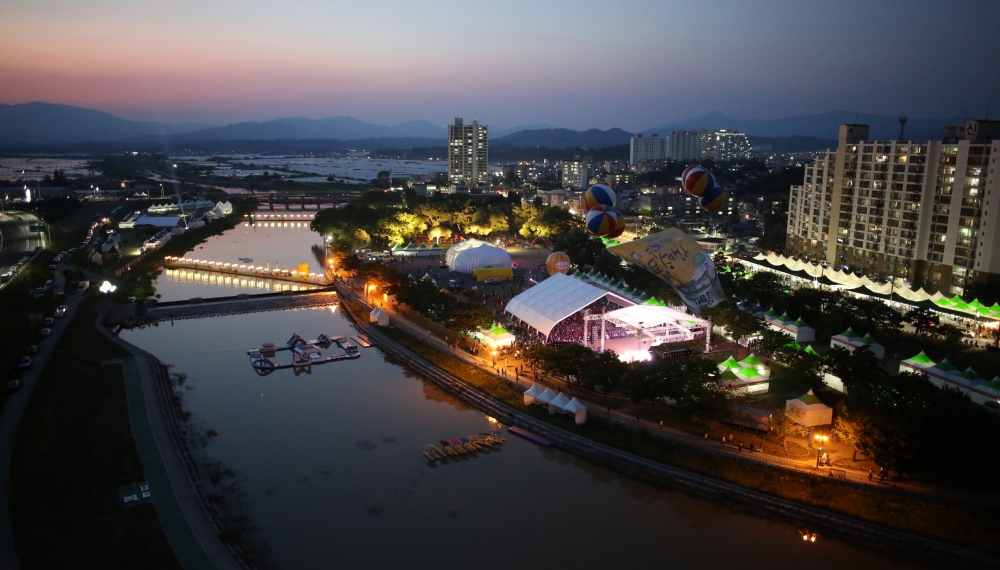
(331, 466)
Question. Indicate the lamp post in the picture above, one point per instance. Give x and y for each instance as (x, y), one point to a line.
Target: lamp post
(819, 450)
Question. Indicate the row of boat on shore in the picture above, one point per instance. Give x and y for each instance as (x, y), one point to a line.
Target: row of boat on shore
(461, 445)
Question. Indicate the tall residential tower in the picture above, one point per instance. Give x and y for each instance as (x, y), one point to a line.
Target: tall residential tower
(468, 154)
(920, 210)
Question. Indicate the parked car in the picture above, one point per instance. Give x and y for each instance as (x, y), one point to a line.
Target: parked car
(491, 280)
(32, 349)
(82, 286)
(452, 283)
(45, 332)
(52, 266)
(48, 322)
(13, 385)
(25, 362)
(6, 277)
(60, 311)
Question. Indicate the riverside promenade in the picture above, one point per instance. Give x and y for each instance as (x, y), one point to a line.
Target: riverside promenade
(722, 492)
(247, 304)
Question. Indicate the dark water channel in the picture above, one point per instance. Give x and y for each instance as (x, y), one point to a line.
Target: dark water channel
(335, 479)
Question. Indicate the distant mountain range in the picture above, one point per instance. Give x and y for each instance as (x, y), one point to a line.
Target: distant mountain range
(46, 123)
(820, 125)
(35, 124)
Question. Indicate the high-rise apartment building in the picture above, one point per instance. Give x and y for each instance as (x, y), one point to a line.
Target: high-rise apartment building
(920, 210)
(644, 149)
(729, 145)
(574, 173)
(468, 154)
(689, 145)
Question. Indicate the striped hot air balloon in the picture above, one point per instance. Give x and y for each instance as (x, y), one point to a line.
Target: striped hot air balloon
(601, 220)
(557, 262)
(699, 181)
(619, 227)
(684, 175)
(599, 195)
(713, 199)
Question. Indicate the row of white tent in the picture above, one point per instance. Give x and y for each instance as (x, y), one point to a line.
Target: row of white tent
(799, 330)
(199, 203)
(945, 375)
(379, 317)
(557, 402)
(846, 280)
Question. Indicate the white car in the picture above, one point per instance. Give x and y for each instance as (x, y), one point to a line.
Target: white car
(491, 280)
(45, 332)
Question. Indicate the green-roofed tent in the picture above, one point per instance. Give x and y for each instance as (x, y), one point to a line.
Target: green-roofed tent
(946, 368)
(770, 313)
(730, 364)
(811, 350)
(729, 375)
(970, 375)
(748, 372)
(809, 411)
(752, 361)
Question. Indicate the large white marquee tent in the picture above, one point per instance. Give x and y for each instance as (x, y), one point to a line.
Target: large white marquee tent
(475, 254)
(543, 306)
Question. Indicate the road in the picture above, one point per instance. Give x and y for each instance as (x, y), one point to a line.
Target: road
(16, 240)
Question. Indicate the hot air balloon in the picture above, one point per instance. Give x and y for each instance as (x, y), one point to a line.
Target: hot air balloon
(601, 220)
(619, 228)
(599, 195)
(557, 262)
(713, 199)
(684, 175)
(698, 181)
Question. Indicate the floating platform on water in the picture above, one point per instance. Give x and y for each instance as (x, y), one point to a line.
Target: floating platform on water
(460, 446)
(362, 340)
(529, 436)
(304, 353)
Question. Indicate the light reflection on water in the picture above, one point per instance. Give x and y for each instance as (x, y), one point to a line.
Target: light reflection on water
(335, 477)
(277, 244)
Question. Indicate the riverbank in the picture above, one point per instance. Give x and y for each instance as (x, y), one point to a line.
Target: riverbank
(815, 501)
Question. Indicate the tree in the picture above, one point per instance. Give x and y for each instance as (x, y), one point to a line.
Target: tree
(922, 319)
(771, 340)
(855, 368)
(949, 332)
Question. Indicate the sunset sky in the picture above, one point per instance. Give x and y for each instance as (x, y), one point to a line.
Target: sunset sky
(580, 64)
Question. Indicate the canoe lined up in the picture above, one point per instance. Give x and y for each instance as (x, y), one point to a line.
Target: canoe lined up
(461, 445)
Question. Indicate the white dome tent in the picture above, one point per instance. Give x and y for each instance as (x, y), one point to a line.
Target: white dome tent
(473, 254)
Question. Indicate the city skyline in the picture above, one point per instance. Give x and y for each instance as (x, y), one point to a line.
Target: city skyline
(555, 63)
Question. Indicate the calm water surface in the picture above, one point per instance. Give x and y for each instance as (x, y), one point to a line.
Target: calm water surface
(285, 244)
(335, 478)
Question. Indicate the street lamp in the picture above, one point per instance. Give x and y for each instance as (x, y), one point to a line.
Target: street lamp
(819, 450)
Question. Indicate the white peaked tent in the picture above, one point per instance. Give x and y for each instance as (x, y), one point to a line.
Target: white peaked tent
(546, 397)
(578, 410)
(809, 411)
(558, 404)
(379, 316)
(531, 394)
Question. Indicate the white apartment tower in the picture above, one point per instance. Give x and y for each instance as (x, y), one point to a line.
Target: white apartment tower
(643, 149)
(729, 145)
(920, 210)
(690, 145)
(468, 154)
(574, 174)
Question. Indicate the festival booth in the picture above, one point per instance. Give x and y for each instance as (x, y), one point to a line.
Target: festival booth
(577, 410)
(380, 317)
(496, 337)
(484, 273)
(850, 340)
(469, 255)
(799, 331)
(748, 376)
(944, 375)
(531, 394)
(807, 410)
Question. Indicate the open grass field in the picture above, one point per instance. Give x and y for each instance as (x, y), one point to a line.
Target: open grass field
(73, 451)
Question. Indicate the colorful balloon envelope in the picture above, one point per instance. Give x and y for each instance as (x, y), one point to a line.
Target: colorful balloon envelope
(698, 181)
(713, 199)
(601, 220)
(557, 262)
(599, 195)
(619, 227)
(687, 171)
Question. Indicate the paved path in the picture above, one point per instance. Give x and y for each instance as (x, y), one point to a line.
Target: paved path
(249, 305)
(184, 543)
(191, 535)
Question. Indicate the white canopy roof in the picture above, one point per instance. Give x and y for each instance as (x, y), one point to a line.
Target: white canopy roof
(552, 300)
(560, 401)
(547, 396)
(574, 406)
(650, 316)
(534, 391)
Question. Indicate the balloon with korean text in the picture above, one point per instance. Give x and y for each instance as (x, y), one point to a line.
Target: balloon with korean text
(557, 262)
(601, 220)
(676, 257)
(599, 195)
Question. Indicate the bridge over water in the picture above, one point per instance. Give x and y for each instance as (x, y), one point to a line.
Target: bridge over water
(196, 309)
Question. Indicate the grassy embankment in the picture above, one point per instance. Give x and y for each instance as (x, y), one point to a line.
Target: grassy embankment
(958, 524)
(73, 450)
